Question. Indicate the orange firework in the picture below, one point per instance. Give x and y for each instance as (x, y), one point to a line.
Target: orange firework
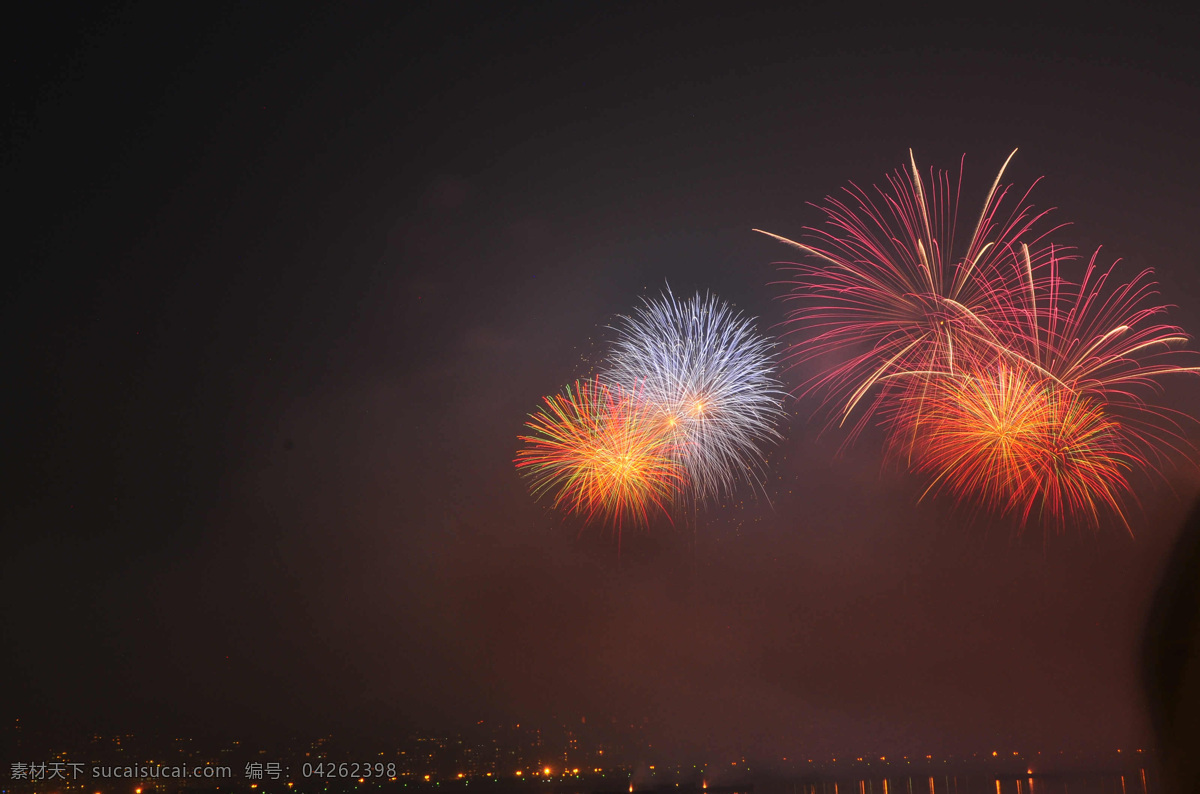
(601, 452)
(1025, 444)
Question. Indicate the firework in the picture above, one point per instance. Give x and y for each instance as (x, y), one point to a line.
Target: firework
(990, 371)
(1018, 442)
(1048, 406)
(1095, 338)
(709, 378)
(602, 453)
(890, 289)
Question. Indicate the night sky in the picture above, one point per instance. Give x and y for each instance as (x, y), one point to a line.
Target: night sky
(283, 286)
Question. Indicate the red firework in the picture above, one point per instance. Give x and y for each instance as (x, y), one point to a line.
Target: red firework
(991, 372)
(890, 289)
(1021, 443)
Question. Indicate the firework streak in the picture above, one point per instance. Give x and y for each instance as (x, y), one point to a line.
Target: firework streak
(993, 374)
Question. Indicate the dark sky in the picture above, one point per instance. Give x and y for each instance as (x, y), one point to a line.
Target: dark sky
(284, 284)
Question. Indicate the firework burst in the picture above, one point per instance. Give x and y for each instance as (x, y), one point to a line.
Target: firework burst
(1005, 382)
(602, 453)
(701, 368)
(890, 288)
(1020, 443)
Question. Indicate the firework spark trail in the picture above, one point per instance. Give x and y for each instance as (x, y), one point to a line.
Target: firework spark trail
(711, 379)
(602, 452)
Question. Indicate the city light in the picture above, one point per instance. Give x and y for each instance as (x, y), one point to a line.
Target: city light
(474, 765)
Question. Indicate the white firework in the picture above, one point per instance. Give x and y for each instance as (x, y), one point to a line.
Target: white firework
(712, 378)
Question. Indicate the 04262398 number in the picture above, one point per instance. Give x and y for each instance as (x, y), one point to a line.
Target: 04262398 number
(331, 769)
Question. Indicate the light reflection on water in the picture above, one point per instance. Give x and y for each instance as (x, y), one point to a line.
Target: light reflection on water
(1137, 781)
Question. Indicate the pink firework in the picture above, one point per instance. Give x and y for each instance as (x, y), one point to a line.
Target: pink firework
(889, 288)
